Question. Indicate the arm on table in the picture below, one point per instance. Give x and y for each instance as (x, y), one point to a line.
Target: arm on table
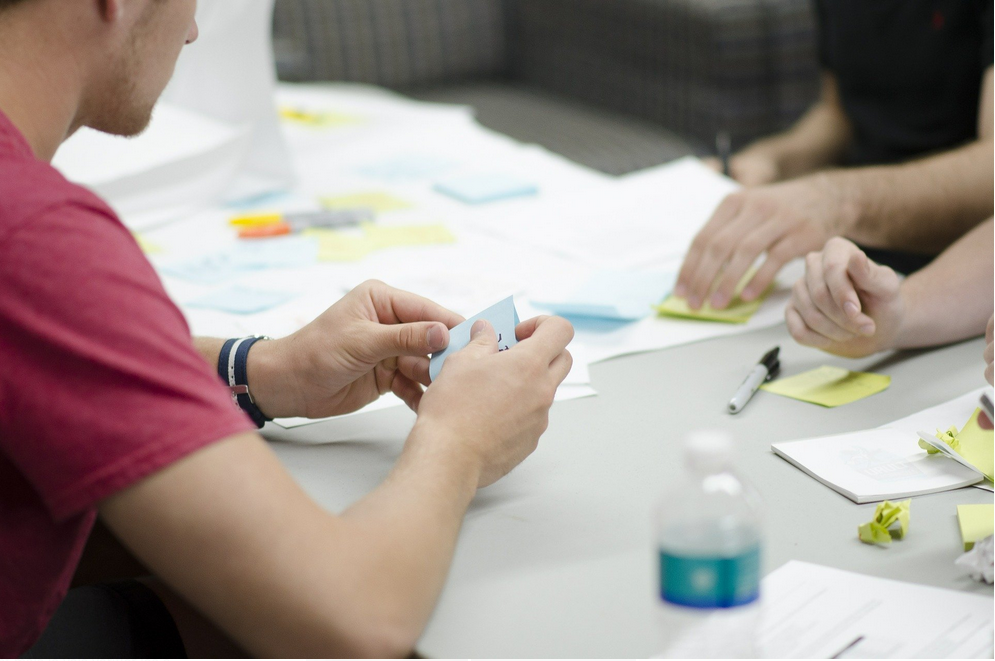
(229, 530)
(851, 306)
(921, 206)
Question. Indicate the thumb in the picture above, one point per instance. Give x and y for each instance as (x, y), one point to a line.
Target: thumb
(876, 280)
(483, 339)
(414, 339)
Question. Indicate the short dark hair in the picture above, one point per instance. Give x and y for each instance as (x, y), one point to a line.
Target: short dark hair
(8, 3)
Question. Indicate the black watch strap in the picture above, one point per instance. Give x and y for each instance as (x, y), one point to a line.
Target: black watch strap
(232, 370)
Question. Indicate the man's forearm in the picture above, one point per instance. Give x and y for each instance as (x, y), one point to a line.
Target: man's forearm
(818, 140)
(952, 298)
(922, 206)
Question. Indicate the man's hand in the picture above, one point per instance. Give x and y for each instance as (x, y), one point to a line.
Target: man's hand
(784, 220)
(846, 304)
(750, 168)
(492, 407)
(373, 341)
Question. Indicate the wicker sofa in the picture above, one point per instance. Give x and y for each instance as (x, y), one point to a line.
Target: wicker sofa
(617, 85)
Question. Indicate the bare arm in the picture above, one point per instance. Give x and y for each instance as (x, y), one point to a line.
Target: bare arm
(952, 298)
(850, 306)
(818, 140)
(231, 532)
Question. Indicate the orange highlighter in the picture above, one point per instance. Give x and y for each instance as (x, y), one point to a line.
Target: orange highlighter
(263, 226)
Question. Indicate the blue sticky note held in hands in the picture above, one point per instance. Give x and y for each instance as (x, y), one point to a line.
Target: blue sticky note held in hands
(502, 316)
(615, 295)
(241, 300)
(480, 188)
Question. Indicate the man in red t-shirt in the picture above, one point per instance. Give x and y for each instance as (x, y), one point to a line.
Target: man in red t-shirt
(109, 410)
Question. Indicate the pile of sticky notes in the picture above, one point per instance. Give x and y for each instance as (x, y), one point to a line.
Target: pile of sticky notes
(881, 529)
(482, 188)
(976, 522)
(317, 118)
(342, 246)
(737, 312)
(614, 295)
(829, 386)
(973, 444)
(502, 316)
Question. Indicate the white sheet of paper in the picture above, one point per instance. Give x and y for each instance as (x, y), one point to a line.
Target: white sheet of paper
(811, 611)
(886, 463)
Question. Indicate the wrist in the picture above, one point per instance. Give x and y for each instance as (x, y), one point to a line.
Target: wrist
(273, 380)
(436, 445)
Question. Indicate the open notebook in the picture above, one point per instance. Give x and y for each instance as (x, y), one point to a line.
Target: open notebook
(887, 463)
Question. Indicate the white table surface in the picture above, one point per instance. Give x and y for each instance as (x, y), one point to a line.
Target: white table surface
(556, 559)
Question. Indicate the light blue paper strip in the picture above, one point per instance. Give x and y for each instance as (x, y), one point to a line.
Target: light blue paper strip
(502, 316)
(481, 188)
(248, 255)
(618, 295)
(408, 167)
(241, 300)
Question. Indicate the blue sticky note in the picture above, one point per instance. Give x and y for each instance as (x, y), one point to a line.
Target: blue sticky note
(616, 295)
(241, 300)
(502, 316)
(249, 255)
(408, 167)
(480, 188)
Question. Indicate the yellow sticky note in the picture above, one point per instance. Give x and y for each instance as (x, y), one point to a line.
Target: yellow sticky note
(408, 235)
(336, 246)
(879, 529)
(148, 247)
(829, 386)
(317, 119)
(976, 445)
(976, 523)
(379, 201)
(737, 312)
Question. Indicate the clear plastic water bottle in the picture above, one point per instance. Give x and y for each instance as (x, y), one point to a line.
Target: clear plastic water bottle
(709, 535)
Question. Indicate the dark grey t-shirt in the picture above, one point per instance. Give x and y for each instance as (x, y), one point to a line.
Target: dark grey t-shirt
(909, 72)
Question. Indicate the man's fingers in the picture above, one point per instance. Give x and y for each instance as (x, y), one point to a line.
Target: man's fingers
(415, 368)
(546, 336)
(802, 333)
(483, 339)
(724, 213)
(835, 262)
(417, 339)
(395, 306)
(560, 367)
(990, 330)
(816, 277)
(407, 390)
(813, 317)
(743, 257)
(869, 277)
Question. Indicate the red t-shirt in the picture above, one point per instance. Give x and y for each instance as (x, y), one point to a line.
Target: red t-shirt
(100, 384)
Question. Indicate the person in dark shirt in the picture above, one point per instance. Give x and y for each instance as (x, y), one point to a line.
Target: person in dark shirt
(896, 155)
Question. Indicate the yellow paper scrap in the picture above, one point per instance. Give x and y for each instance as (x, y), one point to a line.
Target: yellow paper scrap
(829, 386)
(974, 444)
(379, 201)
(148, 247)
(878, 530)
(350, 246)
(737, 312)
(976, 523)
(336, 246)
(317, 119)
(408, 235)
(255, 219)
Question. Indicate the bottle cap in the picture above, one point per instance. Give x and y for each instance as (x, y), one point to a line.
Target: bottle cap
(708, 450)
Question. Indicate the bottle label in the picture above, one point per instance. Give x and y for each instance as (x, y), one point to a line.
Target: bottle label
(710, 582)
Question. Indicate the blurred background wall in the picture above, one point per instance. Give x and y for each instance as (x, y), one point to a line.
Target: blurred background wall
(617, 85)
